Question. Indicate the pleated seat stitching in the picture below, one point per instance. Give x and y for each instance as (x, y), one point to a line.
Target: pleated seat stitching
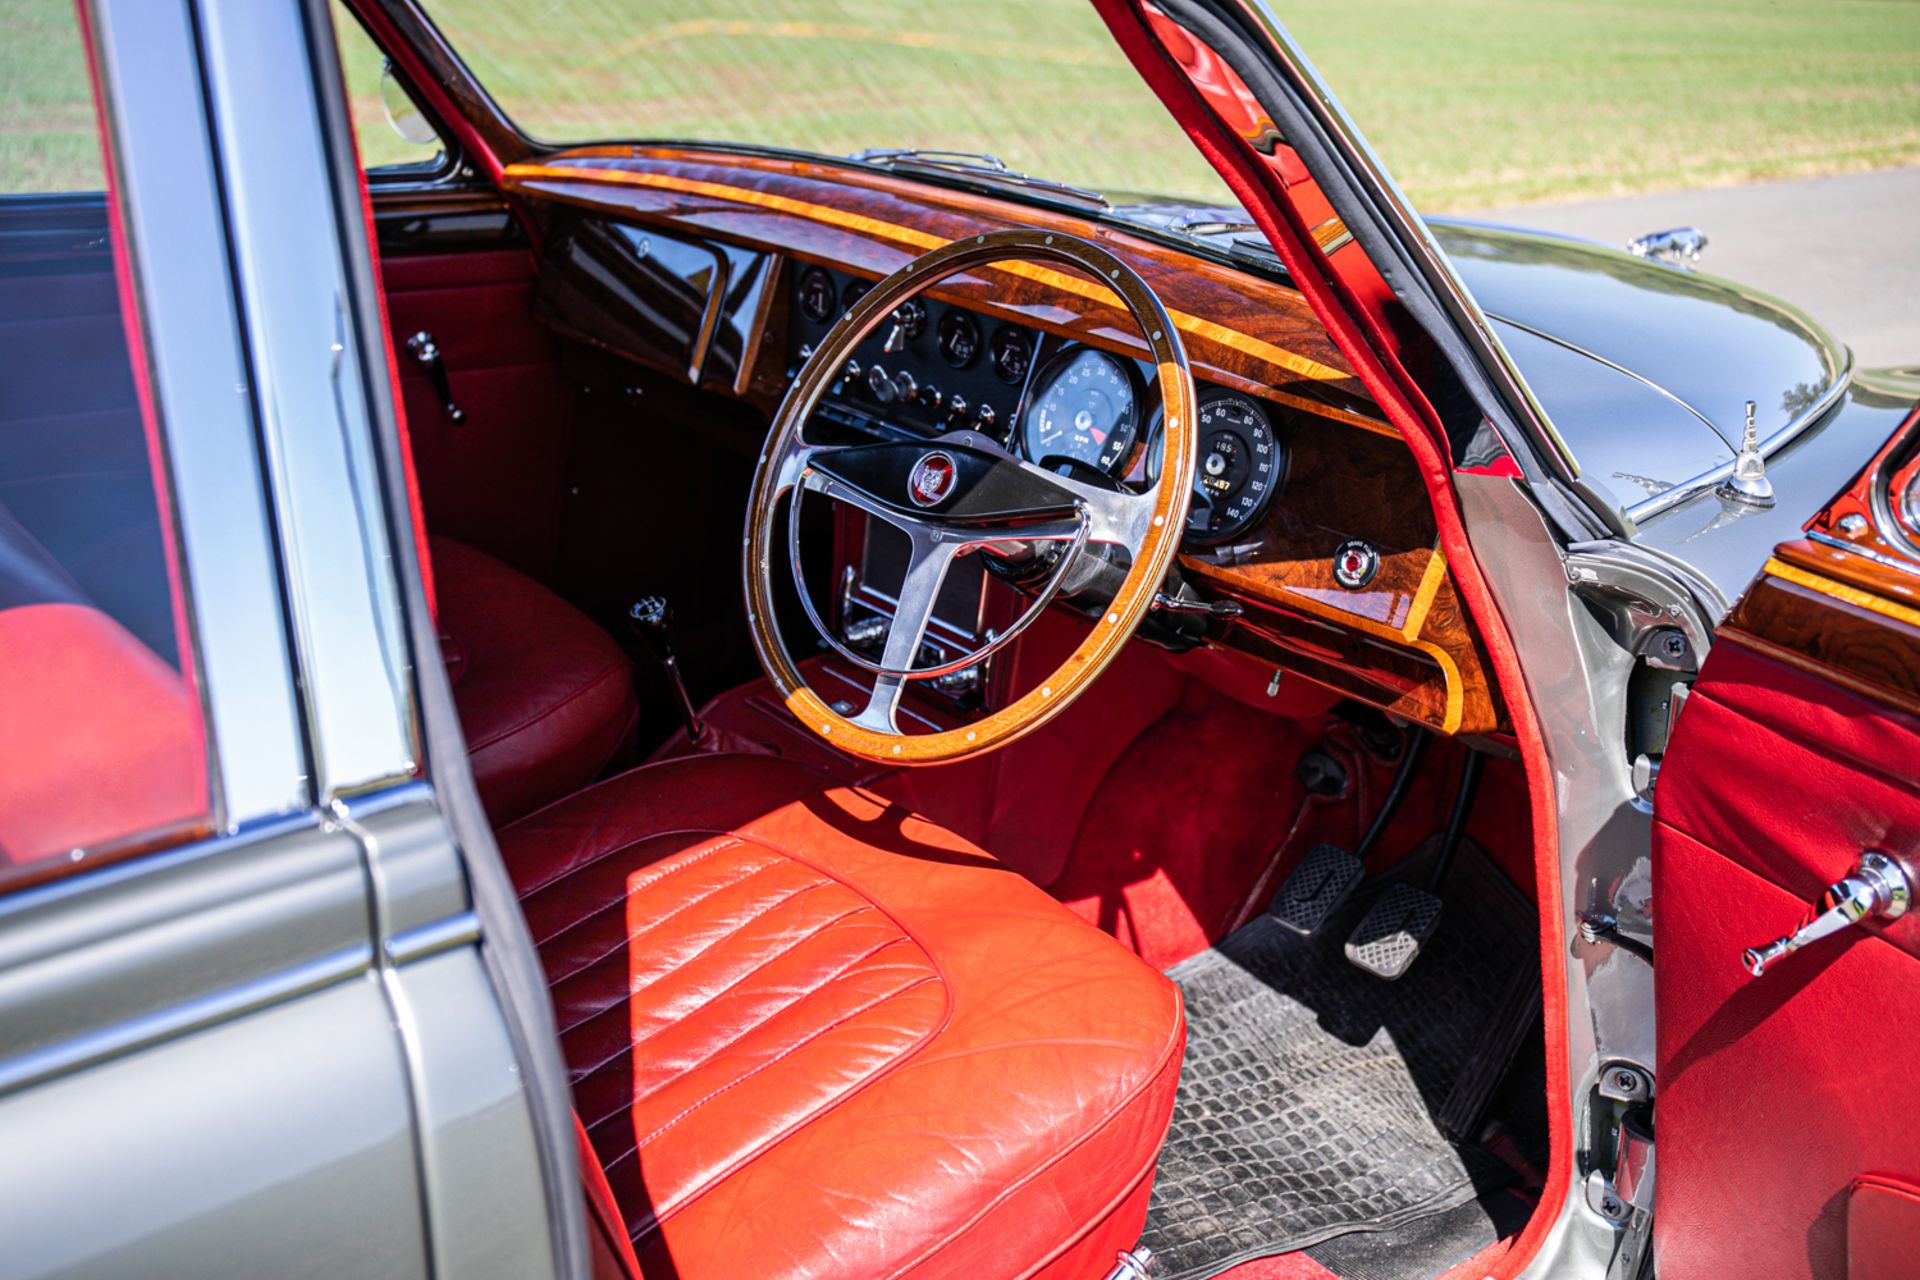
(761, 965)
(575, 1080)
(626, 942)
(774, 1014)
(737, 929)
(765, 1019)
(628, 939)
(560, 877)
(788, 1052)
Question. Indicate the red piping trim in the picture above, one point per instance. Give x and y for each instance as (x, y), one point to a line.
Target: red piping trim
(1392, 389)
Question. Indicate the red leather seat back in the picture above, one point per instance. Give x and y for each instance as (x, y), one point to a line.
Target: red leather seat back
(545, 696)
(99, 739)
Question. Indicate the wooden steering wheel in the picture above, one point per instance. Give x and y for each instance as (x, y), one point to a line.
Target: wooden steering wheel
(962, 492)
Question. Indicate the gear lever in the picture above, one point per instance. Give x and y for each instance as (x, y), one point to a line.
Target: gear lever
(652, 620)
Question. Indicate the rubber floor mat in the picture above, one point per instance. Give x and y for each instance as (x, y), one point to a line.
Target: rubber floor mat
(1307, 1099)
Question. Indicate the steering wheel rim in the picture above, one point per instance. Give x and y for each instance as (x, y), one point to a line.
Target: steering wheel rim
(1149, 524)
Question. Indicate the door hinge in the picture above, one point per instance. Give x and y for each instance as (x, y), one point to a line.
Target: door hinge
(1620, 1157)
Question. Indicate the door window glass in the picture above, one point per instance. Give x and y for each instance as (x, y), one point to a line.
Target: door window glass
(102, 745)
(47, 138)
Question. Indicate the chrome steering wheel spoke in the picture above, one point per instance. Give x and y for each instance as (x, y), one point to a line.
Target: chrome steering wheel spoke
(1115, 517)
(928, 561)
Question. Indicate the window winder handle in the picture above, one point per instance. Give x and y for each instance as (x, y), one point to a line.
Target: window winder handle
(1877, 887)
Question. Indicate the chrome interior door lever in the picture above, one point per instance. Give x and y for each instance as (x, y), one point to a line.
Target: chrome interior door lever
(1877, 887)
(426, 353)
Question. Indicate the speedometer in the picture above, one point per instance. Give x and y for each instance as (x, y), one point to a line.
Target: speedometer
(1240, 467)
(1085, 409)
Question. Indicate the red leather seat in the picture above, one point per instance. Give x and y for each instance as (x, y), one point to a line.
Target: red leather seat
(813, 1035)
(545, 697)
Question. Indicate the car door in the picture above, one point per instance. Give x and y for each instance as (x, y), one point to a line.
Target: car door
(1787, 1146)
(265, 1003)
(1779, 1101)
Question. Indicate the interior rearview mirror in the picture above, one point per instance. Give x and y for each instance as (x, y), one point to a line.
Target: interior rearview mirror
(406, 119)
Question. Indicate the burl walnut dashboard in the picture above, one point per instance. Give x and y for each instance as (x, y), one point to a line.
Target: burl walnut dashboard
(724, 270)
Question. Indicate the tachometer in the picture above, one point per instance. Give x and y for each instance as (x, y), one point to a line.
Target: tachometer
(1240, 467)
(1085, 408)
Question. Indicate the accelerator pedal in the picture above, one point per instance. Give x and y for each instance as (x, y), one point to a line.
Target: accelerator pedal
(1388, 938)
(1315, 889)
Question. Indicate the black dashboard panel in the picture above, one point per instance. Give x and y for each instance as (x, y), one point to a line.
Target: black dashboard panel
(940, 377)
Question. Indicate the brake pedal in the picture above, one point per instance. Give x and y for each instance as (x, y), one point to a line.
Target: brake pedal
(1388, 938)
(1315, 889)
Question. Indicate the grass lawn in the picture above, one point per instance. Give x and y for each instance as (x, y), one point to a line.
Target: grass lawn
(1472, 103)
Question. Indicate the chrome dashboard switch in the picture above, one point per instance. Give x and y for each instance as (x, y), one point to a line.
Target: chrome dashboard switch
(1877, 887)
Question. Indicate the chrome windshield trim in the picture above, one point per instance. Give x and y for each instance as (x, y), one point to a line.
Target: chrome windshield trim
(1693, 487)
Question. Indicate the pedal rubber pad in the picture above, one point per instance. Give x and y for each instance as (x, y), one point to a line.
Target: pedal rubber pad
(1319, 883)
(1388, 938)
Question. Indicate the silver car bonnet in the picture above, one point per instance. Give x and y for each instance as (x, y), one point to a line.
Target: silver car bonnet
(1683, 353)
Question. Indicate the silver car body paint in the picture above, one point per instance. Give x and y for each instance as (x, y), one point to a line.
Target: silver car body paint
(286, 1048)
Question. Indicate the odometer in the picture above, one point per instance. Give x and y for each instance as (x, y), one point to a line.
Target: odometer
(1240, 467)
(1084, 408)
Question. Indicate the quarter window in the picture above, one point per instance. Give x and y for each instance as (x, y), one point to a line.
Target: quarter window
(395, 137)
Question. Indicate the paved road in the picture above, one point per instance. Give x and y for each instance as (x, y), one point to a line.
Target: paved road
(1845, 249)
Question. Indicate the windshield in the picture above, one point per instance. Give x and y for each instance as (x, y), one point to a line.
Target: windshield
(1038, 83)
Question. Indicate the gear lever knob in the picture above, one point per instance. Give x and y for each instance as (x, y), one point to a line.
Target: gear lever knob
(652, 620)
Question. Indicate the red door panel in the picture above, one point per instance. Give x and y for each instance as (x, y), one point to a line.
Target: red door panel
(1777, 1093)
(1883, 1222)
(497, 479)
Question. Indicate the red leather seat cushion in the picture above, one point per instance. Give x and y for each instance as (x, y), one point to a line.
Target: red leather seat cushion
(813, 1035)
(545, 696)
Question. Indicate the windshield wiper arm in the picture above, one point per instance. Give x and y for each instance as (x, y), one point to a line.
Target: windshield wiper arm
(976, 166)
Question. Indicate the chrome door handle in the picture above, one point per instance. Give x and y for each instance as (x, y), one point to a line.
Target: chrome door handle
(1877, 887)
